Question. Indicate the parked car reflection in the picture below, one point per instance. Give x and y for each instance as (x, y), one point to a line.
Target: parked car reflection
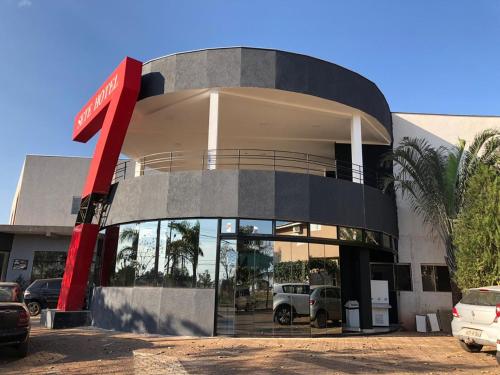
(321, 303)
(325, 306)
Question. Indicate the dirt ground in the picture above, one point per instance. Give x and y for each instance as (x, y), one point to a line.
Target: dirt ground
(90, 351)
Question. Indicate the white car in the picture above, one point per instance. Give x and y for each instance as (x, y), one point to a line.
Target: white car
(476, 319)
(290, 300)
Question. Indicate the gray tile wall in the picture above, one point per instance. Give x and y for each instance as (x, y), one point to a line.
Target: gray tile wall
(253, 194)
(166, 311)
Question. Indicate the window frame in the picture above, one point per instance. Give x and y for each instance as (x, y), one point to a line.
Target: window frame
(435, 277)
(396, 277)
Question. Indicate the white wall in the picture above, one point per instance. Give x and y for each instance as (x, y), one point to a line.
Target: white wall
(46, 188)
(417, 244)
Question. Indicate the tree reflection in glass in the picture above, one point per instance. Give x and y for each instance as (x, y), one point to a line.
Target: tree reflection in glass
(126, 256)
(188, 253)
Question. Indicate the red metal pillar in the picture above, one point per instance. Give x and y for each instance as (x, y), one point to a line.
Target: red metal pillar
(109, 254)
(109, 111)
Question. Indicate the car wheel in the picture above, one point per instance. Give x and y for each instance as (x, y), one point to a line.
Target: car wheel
(22, 349)
(321, 319)
(283, 315)
(471, 348)
(34, 308)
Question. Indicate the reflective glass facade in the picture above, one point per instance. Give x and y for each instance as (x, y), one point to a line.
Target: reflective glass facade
(271, 278)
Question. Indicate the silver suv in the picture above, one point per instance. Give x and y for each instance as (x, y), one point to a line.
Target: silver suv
(290, 300)
(476, 319)
(321, 303)
(325, 305)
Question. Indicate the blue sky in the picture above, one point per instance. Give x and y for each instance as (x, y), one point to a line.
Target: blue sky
(426, 56)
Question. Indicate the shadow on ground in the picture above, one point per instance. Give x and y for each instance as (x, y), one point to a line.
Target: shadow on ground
(296, 361)
(70, 346)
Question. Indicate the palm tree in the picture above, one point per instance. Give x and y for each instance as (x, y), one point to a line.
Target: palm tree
(187, 247)
(128, 254)
(433, 180)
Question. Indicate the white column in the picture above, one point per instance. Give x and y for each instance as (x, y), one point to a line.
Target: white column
(356, 149)
(213, 129)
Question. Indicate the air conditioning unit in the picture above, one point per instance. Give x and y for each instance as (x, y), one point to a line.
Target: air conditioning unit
(297, 229)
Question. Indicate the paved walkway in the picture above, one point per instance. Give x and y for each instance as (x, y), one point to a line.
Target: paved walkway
(89, 351)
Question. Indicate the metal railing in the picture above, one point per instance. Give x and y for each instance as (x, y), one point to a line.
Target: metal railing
(256, 159)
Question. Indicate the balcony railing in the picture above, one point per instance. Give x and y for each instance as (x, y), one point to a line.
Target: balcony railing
(255, 159)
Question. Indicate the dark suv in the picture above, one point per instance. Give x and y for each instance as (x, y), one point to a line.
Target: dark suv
(42, 294)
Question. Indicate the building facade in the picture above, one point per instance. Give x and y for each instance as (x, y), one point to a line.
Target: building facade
(35, 242)
(253, 203)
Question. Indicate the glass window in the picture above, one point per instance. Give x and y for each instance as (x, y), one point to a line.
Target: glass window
(290, 262)
(226, 292)
(435, 278)
(290, 228)
(249, 227)
(323, 231)
(126, 256)
(386, 241)
(296, 289)
(208, 254)
(481, 297)
(288, 288)
(10, 293)
(332, 293)
(302, 289)
(324, 264)
(228, 226)
(403, 277)
(188, 253)
(442, 279)
(350, 234)
(372, 237)
(54, 284)
(428, 279)
(145, 267)
(266, 288)
(48, 264)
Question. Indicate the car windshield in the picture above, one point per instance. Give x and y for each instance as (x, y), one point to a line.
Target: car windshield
(481, 298)
(10, 293)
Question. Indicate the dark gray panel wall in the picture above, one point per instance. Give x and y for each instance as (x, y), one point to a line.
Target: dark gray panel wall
(253, 67)
(253, 194)
(150, 310)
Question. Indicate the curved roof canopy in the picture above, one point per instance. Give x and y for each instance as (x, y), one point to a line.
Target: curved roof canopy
(298, 102)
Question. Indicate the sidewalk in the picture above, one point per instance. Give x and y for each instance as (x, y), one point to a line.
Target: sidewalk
(89, 351)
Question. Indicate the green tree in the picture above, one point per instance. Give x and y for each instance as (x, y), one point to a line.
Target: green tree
(433, 180)
(128, 254)
(126, 258)
(477, 231)
(186, 248)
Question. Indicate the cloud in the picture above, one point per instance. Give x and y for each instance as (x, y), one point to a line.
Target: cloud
(24, 3)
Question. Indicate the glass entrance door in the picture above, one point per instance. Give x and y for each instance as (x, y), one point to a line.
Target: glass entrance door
(291, 289)
(325, 301)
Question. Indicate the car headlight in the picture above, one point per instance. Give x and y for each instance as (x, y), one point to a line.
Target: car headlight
(27, 294)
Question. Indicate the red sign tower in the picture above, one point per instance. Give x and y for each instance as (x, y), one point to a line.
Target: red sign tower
(109, 110)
